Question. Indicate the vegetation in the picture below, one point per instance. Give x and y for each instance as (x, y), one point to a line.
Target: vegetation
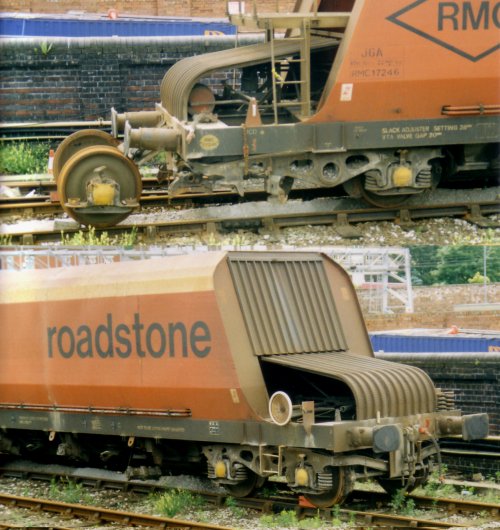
(401, 504)
(178, 501)
(69, 491)
(91, 239)
(236, 510)
(19, 158)
(289, 519)
(459, 264)
(5, 240)
(435, 486)
(44, 48)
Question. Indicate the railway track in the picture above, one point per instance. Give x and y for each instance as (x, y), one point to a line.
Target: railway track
(343, 213)
(275, 503)
(100, 515)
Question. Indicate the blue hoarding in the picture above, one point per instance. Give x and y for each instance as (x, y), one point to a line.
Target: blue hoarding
(31, 26)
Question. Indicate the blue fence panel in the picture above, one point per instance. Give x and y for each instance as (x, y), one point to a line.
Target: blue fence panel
(81, 27)
(427, 344)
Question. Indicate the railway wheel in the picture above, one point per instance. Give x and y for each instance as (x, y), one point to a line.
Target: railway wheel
(76, 142)
(335, 495)
(247, 486)
(99, 186)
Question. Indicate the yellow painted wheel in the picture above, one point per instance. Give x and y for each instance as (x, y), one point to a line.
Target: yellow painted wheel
(76, 142)
(106, 162)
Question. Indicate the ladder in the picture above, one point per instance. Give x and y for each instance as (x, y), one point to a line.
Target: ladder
(297, 26)
(303, 84)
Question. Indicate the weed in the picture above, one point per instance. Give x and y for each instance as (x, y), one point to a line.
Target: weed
(178, 501)
(236, 510)
(65, 490)
(129, 239)
(89, 238)
(312, 522)
(5, 240)
(22, 158)
(268, 491)
(286, 518)
(491, 497)
(267, 521)
(435, 487)
(402, 504)
(44, 48)
(336, 515)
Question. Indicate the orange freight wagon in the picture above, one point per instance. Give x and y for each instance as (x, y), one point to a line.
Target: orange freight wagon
(255, 365)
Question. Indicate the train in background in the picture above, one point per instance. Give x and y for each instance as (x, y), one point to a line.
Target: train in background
(252, 366)
(386, 99)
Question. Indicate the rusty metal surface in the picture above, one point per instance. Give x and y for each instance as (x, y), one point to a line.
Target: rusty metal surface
(181, 77)
(287, 303)
(379, 387)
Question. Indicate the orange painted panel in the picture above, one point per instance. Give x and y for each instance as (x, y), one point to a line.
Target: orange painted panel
(166, 351)
(407, 59)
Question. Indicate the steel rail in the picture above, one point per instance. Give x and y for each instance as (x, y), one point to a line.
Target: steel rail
(97, 514)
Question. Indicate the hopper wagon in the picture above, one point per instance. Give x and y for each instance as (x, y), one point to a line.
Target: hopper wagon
(252, 366)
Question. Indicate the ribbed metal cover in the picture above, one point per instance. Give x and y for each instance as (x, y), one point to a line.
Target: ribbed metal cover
(181, 77)
(287, 303)
(383, 387)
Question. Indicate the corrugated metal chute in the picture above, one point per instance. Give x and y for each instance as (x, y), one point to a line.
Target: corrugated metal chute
(180, 78)
(383, 387)
(287, 303)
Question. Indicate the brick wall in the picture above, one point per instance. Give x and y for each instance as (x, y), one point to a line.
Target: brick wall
(168, 8)
(81, 79)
